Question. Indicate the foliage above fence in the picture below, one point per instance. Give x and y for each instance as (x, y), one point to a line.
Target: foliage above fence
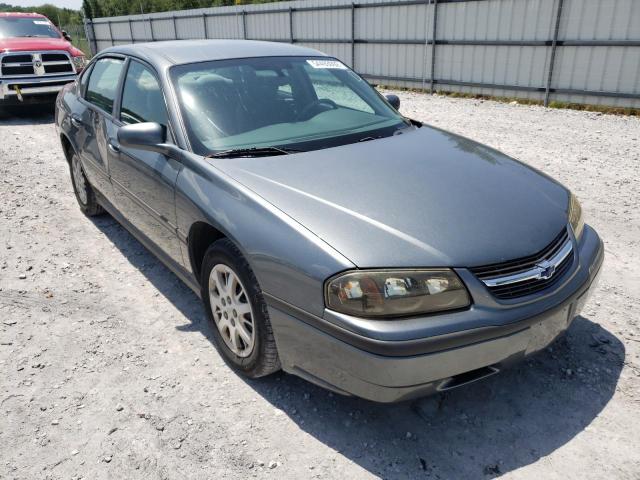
(112, 8)
(59, 16)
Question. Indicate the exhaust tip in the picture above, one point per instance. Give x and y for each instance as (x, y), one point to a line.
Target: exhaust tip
(468, 377)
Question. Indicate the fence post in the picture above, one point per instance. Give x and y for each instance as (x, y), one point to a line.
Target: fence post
(554, 45)
(175, 27)
(353, 36)
(110, 33)
(244, 24)
(433, 44)
(153, 38)
(204, 24)
(91, 36)
(290, 25)
(426, 44)
(133, 40)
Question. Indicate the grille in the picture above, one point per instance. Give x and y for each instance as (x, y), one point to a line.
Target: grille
(24, 64)
(514, 267)
(65, 68)
(54, 57)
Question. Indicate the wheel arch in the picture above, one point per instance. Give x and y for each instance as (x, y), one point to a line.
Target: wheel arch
(67, 147)
(201, 236)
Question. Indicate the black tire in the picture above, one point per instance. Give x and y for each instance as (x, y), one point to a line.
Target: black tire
(83, 190)
(263, 359)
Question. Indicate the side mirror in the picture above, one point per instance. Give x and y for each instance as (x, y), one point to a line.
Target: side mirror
(394, 100)
(143, 136)
(148, 136)
(66, 36)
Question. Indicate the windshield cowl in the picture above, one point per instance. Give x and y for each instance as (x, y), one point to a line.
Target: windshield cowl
(252, 152)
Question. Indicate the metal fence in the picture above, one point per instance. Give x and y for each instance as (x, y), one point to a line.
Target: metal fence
(78, 37)
(582, 51)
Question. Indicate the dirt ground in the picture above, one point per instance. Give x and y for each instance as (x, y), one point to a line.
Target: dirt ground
(107, 368)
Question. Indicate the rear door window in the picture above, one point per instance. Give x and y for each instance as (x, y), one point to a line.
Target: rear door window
(142, 99)
(103, 83)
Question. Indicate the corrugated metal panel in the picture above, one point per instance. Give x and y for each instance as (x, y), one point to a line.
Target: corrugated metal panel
(326, 25)
(600, 20)
(190, 28)
(225, 27)
(141, 31)
(268, 26)
(163, 29)
(496, 20)
(393, 42)
(501, 65)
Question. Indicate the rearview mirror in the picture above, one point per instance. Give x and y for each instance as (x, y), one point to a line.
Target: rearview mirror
(66, 36)
(394, 101)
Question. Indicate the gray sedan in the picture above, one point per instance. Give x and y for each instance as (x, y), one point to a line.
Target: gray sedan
(327, 234)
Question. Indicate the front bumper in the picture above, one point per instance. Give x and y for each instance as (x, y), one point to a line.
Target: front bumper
(32, 89)
(372, 360)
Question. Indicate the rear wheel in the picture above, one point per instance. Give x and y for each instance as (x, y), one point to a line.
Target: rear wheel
(82, 188)
(235, 305)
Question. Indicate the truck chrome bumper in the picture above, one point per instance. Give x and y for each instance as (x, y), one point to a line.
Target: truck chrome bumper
(17, 88)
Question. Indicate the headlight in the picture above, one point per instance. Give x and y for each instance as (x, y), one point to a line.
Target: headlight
(79, 62)
(575, 216)
(396, 293)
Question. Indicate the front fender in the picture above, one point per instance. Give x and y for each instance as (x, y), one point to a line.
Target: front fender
(289, 261)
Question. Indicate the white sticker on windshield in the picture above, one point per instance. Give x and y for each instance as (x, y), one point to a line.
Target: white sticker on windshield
(327, 64)
(41, 22)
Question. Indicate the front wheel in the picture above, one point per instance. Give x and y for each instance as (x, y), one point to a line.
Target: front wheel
(235, 305)
(85, 195)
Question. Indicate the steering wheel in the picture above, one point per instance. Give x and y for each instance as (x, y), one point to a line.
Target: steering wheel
(321, 104)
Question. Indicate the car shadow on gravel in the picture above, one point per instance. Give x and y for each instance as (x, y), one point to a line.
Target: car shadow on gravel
(37, 114)
(482, 430)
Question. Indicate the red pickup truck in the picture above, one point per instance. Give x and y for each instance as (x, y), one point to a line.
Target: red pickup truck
(36, 59)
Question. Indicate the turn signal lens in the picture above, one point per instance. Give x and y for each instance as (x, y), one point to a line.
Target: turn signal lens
(576, 220)
(396, 293)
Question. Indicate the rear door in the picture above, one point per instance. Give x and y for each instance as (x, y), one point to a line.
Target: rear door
(143, 181)
(96, 120)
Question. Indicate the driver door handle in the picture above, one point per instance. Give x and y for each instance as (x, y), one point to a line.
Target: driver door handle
(113, 147)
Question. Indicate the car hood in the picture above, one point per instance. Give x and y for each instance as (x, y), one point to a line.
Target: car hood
(419, 199)
(19, 44)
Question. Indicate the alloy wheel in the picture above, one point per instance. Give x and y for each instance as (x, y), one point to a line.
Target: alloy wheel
(79, 180)
(231, 310)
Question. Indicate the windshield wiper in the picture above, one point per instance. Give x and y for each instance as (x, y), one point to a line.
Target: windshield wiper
(368, 139)
(252, 152)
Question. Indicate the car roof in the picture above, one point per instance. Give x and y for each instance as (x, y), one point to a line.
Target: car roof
(192, 51)
(21, 14)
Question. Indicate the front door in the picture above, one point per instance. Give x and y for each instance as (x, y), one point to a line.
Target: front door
(143, 181)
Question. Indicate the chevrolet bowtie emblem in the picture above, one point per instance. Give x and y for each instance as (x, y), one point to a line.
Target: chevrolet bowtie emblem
(546, 270)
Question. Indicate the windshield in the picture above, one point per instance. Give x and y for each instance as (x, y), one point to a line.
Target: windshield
(288, 102)
(27, 27)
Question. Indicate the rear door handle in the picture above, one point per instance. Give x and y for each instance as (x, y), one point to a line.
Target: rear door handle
(113, 147)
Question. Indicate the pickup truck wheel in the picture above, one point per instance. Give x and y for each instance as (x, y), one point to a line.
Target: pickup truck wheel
(82, 188)
(234, 303)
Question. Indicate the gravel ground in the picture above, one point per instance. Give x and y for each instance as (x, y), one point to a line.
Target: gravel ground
(108, 369)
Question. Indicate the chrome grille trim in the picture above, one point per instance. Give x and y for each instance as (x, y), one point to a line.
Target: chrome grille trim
(535, 273)
(525, 276)
(18, 60)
